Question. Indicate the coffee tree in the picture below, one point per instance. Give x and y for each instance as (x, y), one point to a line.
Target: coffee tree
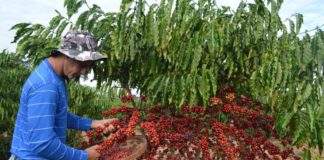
(181, 51)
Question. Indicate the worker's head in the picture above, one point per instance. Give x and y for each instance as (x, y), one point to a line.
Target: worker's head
(79, 51)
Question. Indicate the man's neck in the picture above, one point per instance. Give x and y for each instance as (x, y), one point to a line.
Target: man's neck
(56, 64)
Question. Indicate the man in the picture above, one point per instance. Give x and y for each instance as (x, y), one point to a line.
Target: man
(40, 130)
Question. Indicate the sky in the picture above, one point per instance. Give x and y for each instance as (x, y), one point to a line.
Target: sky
(41, 11)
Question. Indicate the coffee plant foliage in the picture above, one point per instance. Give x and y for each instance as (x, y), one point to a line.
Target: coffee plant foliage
(183, 51)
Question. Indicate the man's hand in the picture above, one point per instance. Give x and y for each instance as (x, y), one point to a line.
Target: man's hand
(93, 154)
(101, 123)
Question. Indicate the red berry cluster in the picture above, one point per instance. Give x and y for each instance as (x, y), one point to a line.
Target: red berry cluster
(215, 101)
(151, 117)
(110, 112)
(115, 123)
(230, 96)
(97, 135)
(143, 99)
(93, 137)
(128, 98)
(125, 109)
(173, 137)
(130, 131)
(227, 108)
(99, 130)
(205, 148)
(185, 108)
(114, 111)
(231, 127)
(222, 140)
(117, 137)
(197, 109)
(124, 130)
(149, 128)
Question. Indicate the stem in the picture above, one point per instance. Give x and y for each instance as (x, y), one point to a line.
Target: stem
(130, 93)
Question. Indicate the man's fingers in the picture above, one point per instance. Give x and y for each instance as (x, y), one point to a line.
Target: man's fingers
(111, 128)
(108, 129)
(105, 131)
(110, 120)
(84, 136)
(106, 124)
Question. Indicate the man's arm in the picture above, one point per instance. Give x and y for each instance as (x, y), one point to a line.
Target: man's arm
(41, 123)
(77, 122)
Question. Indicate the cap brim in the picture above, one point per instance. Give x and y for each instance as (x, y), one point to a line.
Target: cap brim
(82, 55)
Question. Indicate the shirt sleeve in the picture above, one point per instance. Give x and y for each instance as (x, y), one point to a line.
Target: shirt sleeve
(42, 104)
(79, 123)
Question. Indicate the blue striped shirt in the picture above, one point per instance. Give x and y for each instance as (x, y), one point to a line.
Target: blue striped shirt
(42, 120)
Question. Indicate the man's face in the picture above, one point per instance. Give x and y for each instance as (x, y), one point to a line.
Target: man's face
(73, 68)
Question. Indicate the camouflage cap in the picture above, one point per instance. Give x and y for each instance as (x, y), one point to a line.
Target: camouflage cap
(81, 46)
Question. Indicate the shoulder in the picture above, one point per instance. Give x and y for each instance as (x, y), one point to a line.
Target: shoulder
(42, 77)
(42, 74)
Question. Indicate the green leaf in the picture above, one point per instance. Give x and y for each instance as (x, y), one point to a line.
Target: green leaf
(72, 6)
(307, 53)
(296, 127)
(307, 154)
(21, 30)
(320, 137)
(307, 92)
(61, 28)
(20, 26)
(321, 108)
(287, 119)
(80, 23)
(196, 57)
(173, 89)
(213, 81)
(55, 21)
(311, 114)
(299, 21)
(155, 82)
